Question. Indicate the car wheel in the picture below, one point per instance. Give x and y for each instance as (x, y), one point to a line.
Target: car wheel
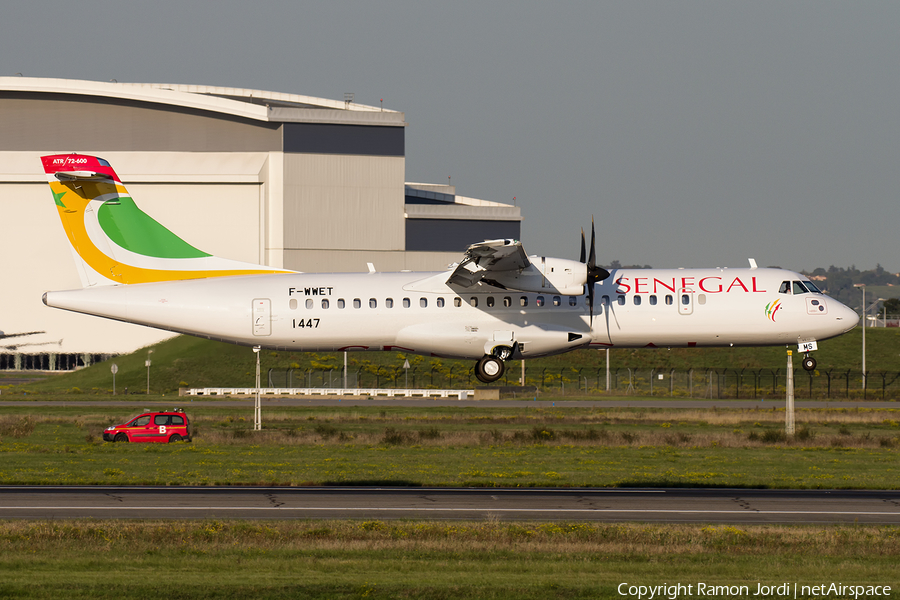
(175, 438)
(120, 437)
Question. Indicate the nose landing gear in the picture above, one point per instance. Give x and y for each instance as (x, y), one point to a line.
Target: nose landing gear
(809, 363)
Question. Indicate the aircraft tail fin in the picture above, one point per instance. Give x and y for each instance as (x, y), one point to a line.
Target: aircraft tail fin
(114, 241)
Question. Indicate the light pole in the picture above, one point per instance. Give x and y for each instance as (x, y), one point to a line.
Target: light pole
(607, 369)
(865, 311)
(257, 408)
(147, 364)
(862, 286)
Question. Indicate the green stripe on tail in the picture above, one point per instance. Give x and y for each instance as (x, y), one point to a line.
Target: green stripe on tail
(132, 229)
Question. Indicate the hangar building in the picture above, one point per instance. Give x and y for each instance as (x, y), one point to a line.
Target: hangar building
(285, 180)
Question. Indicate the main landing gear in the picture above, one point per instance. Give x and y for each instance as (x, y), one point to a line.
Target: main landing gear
(809, 363)
(490, 367)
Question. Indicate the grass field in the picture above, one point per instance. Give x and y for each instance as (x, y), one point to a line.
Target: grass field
(81, 559)
(833, 448)
(191, 362)
(376, 559)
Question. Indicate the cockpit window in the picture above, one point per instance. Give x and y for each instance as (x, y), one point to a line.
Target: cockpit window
(785, 287)
(812, 287)
(799, 288)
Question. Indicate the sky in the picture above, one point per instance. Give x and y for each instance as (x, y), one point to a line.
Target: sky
(696, 134)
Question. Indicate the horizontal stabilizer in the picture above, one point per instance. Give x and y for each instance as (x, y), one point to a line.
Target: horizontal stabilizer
(81, 175)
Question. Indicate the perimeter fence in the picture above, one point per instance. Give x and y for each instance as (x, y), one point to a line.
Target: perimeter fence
(757, 384)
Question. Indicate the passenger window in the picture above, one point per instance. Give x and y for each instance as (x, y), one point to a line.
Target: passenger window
(141, 421)
(341, 303)
(507, 301)
(161, 420)
(373, 303)
(785, 287)
(473, 301)
(573, 301)
(701, 298)
(293, 303)
(389, 303)
(539, 301)
(324, 303)
(653, 300)
(357, 303)
(177, 420)
(440, 303)
(490, 302)
(309, 303)
(406, 303)
(523, 301)
(637, 300)
(685, 299)
(604, 301)
(457, 302)
(423, 302)
(669, 300)
(798, 288)
(621, 300)
(557, 300)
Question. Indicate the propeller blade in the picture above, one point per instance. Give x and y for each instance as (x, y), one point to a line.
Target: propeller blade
(590, 297)
(583, 256)
(592, 261)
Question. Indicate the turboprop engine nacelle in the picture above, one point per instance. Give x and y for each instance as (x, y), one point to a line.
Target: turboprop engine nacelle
(546, 275)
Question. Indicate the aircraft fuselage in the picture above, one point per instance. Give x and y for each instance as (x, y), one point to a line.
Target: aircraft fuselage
(419, 313)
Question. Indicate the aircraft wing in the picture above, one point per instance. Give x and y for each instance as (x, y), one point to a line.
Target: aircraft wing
(487, 260)
(3, 336)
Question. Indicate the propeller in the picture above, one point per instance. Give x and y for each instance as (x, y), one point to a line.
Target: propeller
(583, 255)
(594, 273)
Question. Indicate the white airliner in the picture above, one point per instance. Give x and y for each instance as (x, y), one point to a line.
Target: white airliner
(496, 304)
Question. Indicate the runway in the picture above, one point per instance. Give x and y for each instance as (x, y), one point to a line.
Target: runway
(507, 504)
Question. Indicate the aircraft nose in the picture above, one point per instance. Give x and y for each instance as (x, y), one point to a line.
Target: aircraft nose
(846, 316)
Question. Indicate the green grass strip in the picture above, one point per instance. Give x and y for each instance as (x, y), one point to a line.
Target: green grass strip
(472, 560)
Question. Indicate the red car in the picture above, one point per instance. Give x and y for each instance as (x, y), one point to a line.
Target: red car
(161, 427)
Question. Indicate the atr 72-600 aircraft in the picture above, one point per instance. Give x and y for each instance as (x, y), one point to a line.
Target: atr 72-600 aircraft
(496, 304)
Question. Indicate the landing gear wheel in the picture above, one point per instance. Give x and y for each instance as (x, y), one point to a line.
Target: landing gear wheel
(120, 437)
(809, 363)
(175, 438)
(489, 369)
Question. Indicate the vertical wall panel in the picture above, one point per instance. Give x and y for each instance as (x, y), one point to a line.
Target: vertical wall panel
(349, 202)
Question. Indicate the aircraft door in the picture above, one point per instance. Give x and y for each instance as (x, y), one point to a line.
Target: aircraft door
(686, 302)
(262, 316)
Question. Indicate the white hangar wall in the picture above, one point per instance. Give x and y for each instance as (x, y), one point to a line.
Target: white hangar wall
(290, 181)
